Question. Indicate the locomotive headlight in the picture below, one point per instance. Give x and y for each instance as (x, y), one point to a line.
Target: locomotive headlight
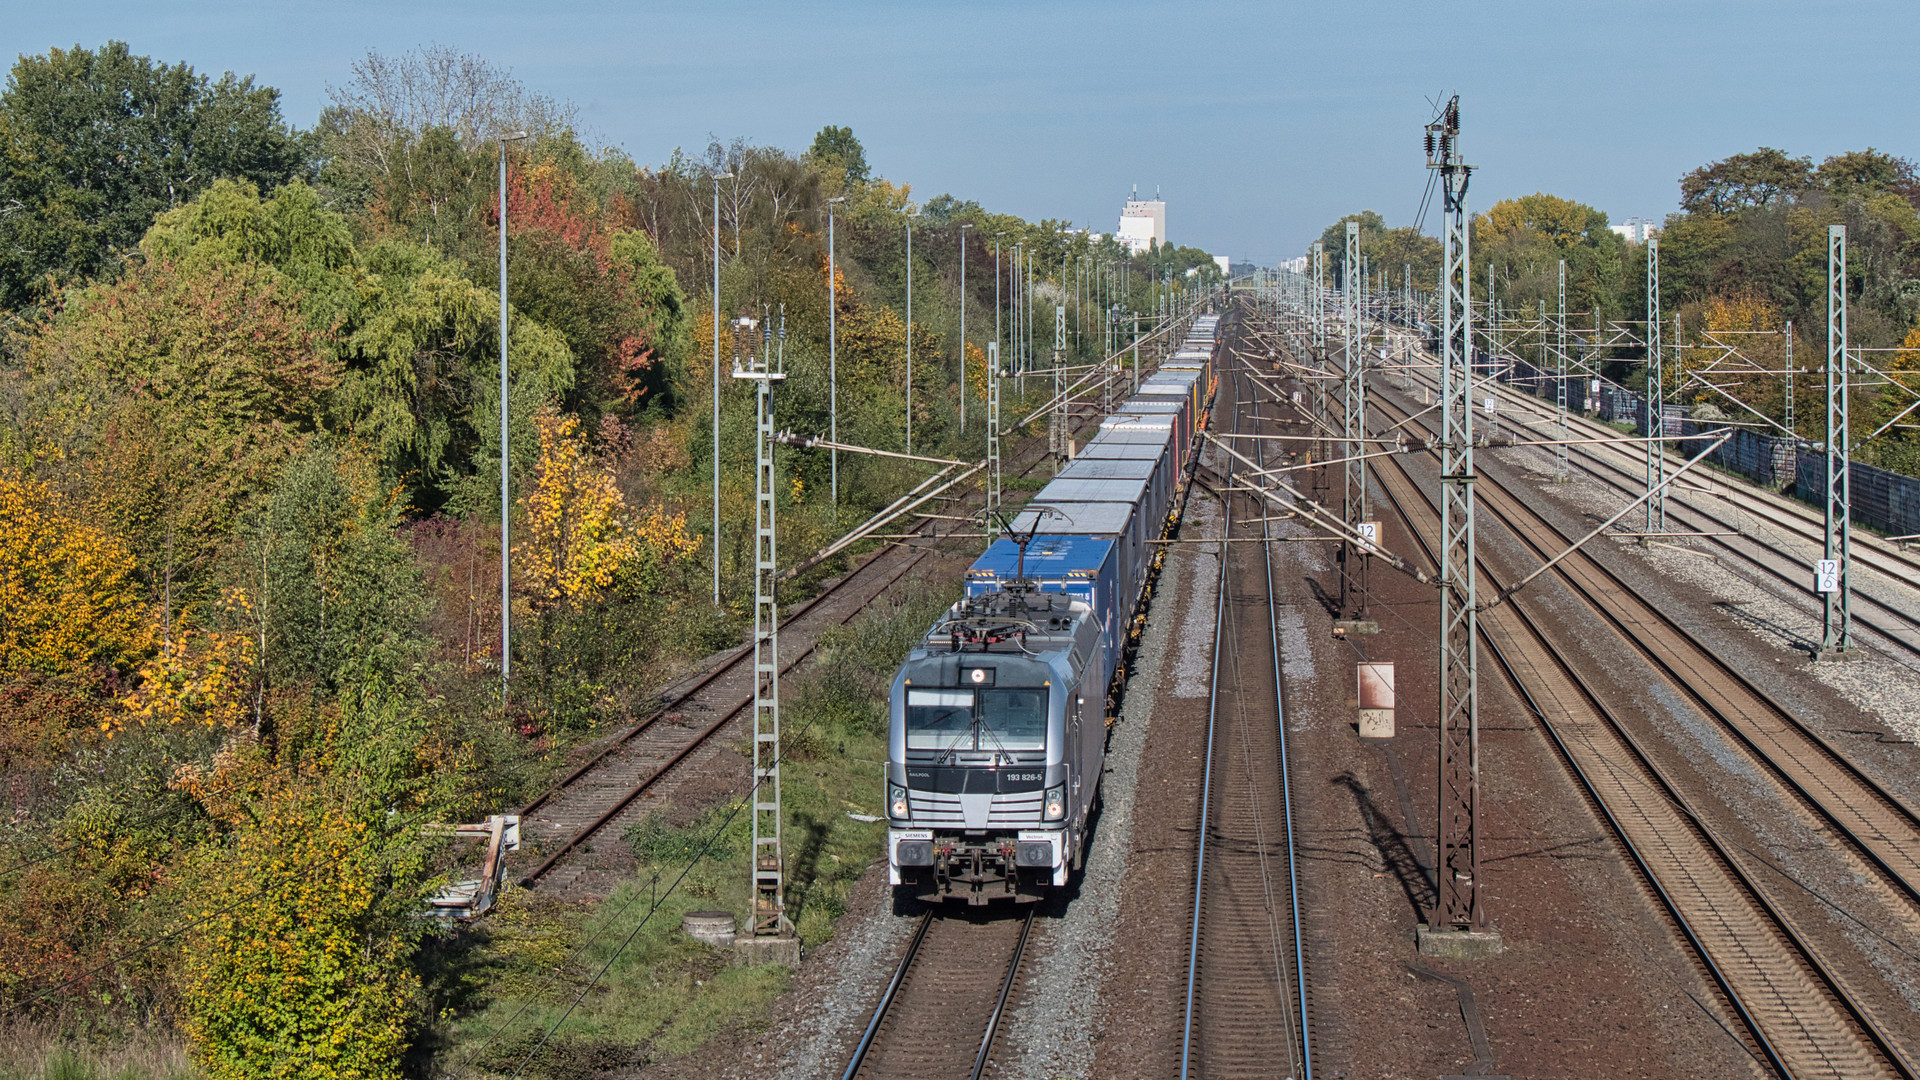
(897, 801)
(1056, 803)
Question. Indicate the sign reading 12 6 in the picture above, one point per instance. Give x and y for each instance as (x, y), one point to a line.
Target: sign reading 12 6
(1826, 576)
(1369, 534)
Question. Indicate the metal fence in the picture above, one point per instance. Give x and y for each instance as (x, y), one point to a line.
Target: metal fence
(1882, 500)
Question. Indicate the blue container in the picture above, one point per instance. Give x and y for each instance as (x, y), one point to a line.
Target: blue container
(1119, 522)
(1083, 567)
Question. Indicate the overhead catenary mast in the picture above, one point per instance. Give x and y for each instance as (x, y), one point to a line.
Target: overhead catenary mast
(1458, 923)
(1353, 408)
(770, 921)
(1832, 576)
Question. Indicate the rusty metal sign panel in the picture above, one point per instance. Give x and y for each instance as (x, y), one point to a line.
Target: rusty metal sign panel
(1374, 692)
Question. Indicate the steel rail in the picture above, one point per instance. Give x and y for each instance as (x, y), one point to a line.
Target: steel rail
(729, 662)
(910, 962)
(1672, 906)
(1834, 988)
(1298, 1051)
(1507, 506)
(1006, 992)
(1206, 794)
(1794, 519)
(886, 998)
(1286, 796)
(623, 801)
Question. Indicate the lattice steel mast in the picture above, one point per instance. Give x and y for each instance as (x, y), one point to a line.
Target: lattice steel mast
(1656, 399)
(1459, 906)
(1560, 384)
(1317, 306)
(1835, 580)
(1057, 419)
(993, 439)
(769, 876)
(1353, 403)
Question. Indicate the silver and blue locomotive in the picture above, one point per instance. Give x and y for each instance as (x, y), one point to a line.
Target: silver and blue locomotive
(999, 716)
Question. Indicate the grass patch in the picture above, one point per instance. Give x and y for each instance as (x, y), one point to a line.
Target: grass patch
(663, 995)
(39, 1053)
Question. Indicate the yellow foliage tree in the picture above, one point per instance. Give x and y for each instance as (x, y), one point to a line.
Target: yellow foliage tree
(199, 676)
(578, 533)
(977, 371)
(296, 966)
(1561, 221)
(68, 599)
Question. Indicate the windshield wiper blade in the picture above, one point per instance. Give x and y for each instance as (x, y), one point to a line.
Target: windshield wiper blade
(999, 747)
(946, 755)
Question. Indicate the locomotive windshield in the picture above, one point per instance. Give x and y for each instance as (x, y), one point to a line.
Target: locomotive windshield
(1005, 718)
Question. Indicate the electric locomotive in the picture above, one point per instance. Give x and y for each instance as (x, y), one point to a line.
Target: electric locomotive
(998, 718)
(997, 735)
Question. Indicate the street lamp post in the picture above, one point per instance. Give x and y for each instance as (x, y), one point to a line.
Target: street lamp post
(963, 325)
(833, 347)
(506, 466)
(910, 216)
(1019, 315)
(716, 384)
(998, 340)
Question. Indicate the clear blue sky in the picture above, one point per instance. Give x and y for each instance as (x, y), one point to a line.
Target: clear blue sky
(1260, 122)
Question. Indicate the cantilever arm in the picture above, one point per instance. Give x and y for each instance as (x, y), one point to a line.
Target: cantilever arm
(1312, 510)
(1605, 525)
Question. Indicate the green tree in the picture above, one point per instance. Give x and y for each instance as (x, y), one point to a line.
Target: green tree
(837, 148)
(93, 144)
(334, 589)
(175, 393)
(1868, 172)
(305, 905)
(1744, 180)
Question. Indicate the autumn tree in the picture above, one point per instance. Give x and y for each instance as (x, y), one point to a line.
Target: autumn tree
(580, 538)
(94, 143)
(176, 392)
(1744, 181)
(836, 148)
(68, 597)
(304, 902)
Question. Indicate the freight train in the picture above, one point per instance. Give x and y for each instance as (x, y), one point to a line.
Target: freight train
(998, 718)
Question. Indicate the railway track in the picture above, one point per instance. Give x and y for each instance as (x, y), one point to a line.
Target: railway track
(1767, 525)
(603, 794)
(1880, 826)
(941, 1012)
(1800, 1016)
(1246, 998)
(603, 790)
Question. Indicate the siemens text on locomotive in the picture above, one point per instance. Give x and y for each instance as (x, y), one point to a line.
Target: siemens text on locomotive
(999, 717)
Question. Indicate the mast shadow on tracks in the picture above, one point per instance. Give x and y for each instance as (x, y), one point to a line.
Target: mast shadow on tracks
(1396, 850)
(1325, 599)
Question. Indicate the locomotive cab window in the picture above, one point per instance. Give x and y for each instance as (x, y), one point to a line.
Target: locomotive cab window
(1013, 718)
(939, 719)
(1002, 718)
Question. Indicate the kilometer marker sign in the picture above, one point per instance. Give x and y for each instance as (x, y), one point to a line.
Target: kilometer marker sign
(1826, 576)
